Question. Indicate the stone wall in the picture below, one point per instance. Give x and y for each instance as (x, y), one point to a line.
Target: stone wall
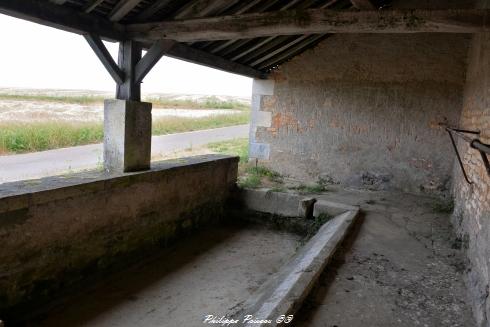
(363, 110)
(57, 232)
(472, 202)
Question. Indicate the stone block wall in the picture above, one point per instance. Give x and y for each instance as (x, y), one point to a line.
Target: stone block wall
(57, 232)
(472, 202)
(363, 110)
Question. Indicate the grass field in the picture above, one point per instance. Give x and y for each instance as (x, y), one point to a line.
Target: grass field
(39, 136)
(210, 102)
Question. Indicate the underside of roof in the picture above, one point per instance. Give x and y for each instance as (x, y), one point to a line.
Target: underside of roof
(263, 54)
(245, 37)
(259, 54)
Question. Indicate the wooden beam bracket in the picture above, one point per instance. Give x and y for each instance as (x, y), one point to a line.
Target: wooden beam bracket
(150, 59)
(105, 57)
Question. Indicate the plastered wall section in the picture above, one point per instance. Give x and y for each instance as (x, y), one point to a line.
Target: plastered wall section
(364, 111)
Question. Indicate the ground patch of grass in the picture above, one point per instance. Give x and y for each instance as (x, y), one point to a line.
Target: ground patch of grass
(249, 176)
(19, 138)
(23, 137)
(74, 99)
(236, 147)
(179, 124)
(257, 176)
(211, 102)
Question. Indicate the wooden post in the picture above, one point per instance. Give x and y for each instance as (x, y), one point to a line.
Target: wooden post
(129, 56)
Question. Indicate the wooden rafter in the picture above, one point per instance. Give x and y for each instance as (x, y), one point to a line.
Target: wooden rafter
(122, 8)
(186, 53)
(152, 9)
(92, 5)
(313, 21)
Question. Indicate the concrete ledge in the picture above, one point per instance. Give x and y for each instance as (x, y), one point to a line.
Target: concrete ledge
(290, 205)
(286, 290)
(22, 194)
(277, 203)
(331, 208)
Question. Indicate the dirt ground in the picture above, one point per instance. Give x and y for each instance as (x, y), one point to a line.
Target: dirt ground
(209, 273)
(401, 267)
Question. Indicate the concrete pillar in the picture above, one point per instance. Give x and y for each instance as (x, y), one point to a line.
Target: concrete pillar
(260, 118)
(127, 135)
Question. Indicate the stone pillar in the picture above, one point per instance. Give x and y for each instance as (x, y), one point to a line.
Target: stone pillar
(127, 135)
(260, 118)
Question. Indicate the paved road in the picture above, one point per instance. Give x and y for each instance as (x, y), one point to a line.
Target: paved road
(52, 162)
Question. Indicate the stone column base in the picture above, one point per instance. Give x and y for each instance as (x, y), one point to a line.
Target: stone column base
(127, 135)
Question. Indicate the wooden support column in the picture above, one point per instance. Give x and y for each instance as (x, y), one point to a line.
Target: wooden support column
(129, 56)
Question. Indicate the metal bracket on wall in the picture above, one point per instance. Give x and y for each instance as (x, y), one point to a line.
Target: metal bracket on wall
(474, 143)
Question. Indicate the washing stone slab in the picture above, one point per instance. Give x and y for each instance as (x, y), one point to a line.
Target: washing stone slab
(285, 291)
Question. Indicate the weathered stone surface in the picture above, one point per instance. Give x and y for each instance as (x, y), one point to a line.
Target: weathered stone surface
(471, 216)
(57, 231)
(331, 208)
(364, 109)
(127, 135)
(306, 207)
(277, 203)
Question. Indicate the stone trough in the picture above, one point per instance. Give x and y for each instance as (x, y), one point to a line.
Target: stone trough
(282, 295)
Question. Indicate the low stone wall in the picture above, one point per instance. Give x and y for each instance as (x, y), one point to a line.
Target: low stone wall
(56, 232)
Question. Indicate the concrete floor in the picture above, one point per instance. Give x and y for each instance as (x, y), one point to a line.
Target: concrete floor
(399, 268)
(208, 273)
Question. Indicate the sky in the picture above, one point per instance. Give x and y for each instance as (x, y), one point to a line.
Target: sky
(41, 57)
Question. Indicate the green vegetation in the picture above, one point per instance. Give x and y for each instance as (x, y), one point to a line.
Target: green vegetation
(257, 176)
(75, 99)
(262, 171)
(18, 138)
(322, 219)
(250, 181)
(237, 147)
(23, 137)
(211, 102)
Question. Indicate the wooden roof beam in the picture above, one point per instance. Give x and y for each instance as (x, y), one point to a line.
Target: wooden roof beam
(313, 21)
(62, 17)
